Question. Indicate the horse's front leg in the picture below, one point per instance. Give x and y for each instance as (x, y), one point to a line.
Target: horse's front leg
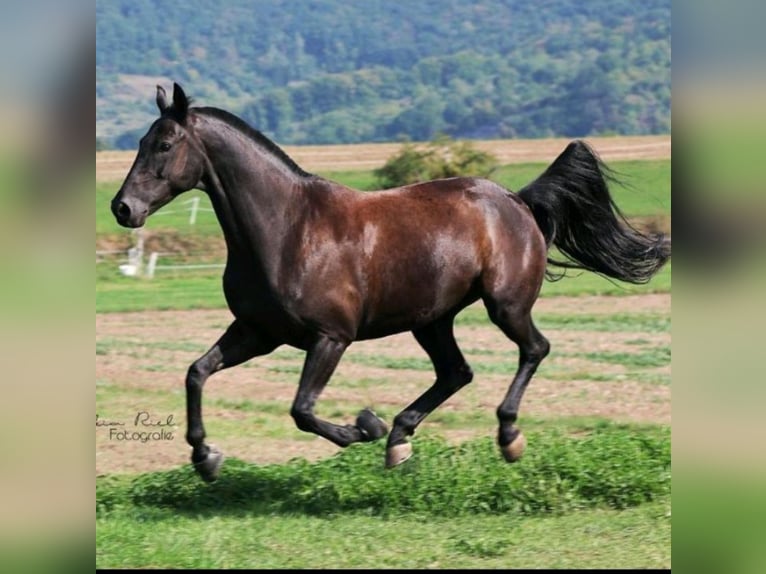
(237, 345)
(321, 360)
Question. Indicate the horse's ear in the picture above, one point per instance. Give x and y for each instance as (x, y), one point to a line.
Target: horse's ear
(180, 101)
(162, 99)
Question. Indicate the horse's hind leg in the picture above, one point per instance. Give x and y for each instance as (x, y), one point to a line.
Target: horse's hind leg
(516, 322)
(452, 373)
(236, 345)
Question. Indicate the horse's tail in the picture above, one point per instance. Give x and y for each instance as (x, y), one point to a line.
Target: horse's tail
(575, 211)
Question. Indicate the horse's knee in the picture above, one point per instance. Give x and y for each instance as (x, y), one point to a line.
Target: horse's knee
(463, 376)
(457, 378)
(197, 373)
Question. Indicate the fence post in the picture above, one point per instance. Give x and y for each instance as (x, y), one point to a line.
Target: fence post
(136, 253)
(150, 267)
(193, 209)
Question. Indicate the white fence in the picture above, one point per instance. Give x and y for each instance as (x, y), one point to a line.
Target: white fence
(152, 266)
(193, 209)
(131, 262)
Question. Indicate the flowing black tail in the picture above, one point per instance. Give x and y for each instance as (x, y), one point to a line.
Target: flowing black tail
(574, 210)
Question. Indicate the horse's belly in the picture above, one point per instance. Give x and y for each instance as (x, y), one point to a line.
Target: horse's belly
(410, 308)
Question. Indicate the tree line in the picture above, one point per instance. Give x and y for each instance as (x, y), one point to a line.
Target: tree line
(321, 72)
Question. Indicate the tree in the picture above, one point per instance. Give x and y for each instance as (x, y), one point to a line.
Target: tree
(422, 121)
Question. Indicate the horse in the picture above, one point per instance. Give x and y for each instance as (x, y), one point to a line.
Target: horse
(317, 265)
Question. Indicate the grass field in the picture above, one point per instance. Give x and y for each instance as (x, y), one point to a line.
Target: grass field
(592, 491)
(465, 508)
(589, 493)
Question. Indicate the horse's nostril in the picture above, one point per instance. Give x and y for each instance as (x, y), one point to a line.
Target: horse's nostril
(122, 211)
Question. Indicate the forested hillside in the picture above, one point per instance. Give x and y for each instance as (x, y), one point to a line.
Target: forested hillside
(344, 71)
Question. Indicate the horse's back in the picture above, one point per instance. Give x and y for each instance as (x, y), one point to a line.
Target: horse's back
(458, 209)
(432, 248)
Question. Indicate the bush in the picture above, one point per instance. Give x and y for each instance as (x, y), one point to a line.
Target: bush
(442, 157)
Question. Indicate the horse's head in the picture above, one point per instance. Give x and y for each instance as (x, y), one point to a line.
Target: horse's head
(170, 161)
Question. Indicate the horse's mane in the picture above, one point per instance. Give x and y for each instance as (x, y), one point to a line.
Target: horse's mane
(255, 135)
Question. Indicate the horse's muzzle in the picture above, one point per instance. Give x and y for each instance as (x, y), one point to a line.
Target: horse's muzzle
(127, 215)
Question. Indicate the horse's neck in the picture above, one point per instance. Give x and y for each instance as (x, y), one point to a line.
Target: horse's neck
(252, 193)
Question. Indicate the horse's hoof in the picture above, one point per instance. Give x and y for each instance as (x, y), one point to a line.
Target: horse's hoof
(209, 467)
(397, 454)
(514, 449)
(371, 426)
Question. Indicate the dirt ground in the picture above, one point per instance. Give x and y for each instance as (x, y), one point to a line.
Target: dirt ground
(141, 361)
(114, 165)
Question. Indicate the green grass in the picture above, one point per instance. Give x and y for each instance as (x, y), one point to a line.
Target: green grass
(601, 538)
(643, 188)
(584, 283)
(558, 507)
(476, 315)
(594, 539)
(192, 291)
(651, 357)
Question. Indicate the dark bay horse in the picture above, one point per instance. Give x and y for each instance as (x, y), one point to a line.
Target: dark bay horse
(317, 265)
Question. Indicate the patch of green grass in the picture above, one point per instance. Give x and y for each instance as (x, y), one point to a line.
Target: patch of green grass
(568, 374)
(423, 363)
(364, 180)
(448, 419)
(643, 189)
(652, 378)
(358, 382)
(396, 363)
(611, 466)
(483, 352)
(578, 283)
(587, 539)
(158, 368)
(652, 357)
(476, 315)
(604, 482)
(243, 405)
(286, 369)
(132, 294)
(288, 354)
(607, 322)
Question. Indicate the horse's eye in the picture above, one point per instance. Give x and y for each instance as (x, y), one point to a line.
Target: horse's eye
(165, 146)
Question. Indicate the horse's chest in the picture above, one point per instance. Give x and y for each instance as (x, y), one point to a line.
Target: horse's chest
(248, 298)
(252, 301)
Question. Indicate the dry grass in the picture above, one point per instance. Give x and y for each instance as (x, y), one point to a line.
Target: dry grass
(114, 165)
